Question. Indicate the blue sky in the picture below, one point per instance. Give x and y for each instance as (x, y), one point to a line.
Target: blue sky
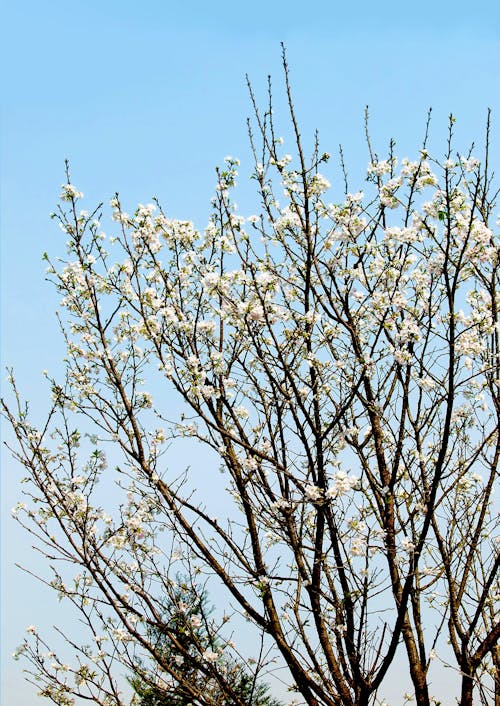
(147, 98)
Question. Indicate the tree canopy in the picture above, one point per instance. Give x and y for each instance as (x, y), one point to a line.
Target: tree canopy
(338, 352)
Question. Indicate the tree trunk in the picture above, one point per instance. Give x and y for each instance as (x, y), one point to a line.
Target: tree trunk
(495, 653)
(467, 688)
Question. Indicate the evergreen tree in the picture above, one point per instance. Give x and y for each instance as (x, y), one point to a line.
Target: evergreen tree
(194, 654)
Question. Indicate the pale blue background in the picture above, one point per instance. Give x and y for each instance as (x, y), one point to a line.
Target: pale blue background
(146, 98)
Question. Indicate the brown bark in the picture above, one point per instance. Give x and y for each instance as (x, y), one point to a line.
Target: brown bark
(495, 653)
(467, 689)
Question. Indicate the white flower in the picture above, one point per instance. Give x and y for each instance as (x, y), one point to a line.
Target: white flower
(358, 546)
(31, 629)
(210, 280)
(70, 192)
(195, 621)
(318, 184)
(146, 400)
(426, 383)
(159, 436)
(342, 484)
(250, 463)
(193, 361)
(355, 198)
(121, 635)
(256, 313)
(469, 164)
(379, 168)
(209, 656)
(265, 445)
(428, 571)
(313, 493)
(409, 330)
(407, 545)
(401, 355)
(18, 507)
(207, 326)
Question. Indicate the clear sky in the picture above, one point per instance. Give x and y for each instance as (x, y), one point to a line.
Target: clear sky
(146, 98)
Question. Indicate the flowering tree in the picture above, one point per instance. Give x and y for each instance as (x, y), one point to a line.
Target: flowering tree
(341, 360)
